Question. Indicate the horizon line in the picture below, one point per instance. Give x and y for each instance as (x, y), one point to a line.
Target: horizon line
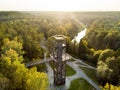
(58, 11)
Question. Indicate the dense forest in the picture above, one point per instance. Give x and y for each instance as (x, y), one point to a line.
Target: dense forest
(21, 38)
(22, 35)
(101, 46)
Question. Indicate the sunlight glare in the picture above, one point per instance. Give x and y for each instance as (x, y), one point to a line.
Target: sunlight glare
(59, 5)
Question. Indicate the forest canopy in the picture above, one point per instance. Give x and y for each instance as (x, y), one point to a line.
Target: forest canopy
(23, 34)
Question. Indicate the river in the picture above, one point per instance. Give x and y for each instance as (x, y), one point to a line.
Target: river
(80, 35)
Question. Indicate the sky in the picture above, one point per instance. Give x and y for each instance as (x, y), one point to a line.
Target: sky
(59, 5)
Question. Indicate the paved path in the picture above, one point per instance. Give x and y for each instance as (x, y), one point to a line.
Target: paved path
(50, 74)
(83, 64)
(79, 74)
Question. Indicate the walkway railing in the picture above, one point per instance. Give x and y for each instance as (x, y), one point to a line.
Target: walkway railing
(37, 62)
(45, 60)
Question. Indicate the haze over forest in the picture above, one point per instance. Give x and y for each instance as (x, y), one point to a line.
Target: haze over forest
(59, 5)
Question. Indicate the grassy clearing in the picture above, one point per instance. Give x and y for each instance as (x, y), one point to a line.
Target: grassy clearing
(80, 84)
(90, 73)
(69, 71)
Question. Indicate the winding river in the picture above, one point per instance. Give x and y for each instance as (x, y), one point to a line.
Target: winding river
(80, 35)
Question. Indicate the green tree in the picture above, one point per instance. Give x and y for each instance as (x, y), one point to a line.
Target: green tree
(18, 76)
(35, 80)
(50, 44)
(14, 44)
(33, 49)
(105, 54)
(96, 55)
(110, 87)
(68, 45)
(117, 53)
(4, 83)
(83, 49)
(102, 72)
(114, 65)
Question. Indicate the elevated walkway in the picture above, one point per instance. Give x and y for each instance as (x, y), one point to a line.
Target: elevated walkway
(37, 62)
(65, 57)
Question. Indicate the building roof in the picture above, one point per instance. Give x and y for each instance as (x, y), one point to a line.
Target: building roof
(59, 37)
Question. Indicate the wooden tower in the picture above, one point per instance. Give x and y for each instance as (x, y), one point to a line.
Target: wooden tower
(59, 59)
